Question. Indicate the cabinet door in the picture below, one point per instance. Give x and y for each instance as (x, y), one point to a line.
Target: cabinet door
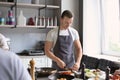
(40, 61)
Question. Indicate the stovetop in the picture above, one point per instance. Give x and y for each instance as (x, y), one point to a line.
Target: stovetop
(31, 52)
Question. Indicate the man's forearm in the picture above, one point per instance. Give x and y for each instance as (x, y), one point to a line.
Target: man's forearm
(52, 56)
(79, 56)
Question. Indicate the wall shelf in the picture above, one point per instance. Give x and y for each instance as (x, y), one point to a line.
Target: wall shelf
(9, 26)
(52, 7)
(45, 6)
(25, 5)
(30, 26)
(6, 4)
(27, 26)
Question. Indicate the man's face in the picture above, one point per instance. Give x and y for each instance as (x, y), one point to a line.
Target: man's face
(66, 22)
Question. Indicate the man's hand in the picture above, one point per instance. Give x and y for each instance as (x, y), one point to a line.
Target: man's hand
(61, 64)
(117, 72)
(76, 66)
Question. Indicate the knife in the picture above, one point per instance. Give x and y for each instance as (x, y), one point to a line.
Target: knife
(68, 69)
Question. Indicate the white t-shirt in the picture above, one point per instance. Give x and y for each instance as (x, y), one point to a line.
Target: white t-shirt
(52, 35)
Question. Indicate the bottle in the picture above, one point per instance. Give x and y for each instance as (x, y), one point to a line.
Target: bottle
(2, 20)
(48, 22)
(51, 21)
(21, 19)
(55, 21)
(32, 69)
(107, 73)
(36, 21)
(40, 21)
(43, 21)
(10, 13)
(10, 20)
(83, 72)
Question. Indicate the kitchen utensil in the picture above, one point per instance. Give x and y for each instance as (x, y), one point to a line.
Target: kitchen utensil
(67, 69)
(45, 71)
(57, 75)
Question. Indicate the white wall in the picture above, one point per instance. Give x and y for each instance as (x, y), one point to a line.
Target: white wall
(73, 6)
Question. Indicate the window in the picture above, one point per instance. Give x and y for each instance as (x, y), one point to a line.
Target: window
(110, 11)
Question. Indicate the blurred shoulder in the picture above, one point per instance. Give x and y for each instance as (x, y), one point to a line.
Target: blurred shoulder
(7, 54)
(53, 30)
(73, 30)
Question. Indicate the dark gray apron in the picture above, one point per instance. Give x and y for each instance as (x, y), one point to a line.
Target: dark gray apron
(64, 50)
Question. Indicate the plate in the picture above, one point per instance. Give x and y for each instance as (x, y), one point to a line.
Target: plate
(65, 72)
(93, 72)
(96, 79)
(77, 79)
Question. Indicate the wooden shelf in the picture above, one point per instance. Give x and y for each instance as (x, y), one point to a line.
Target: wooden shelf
(53, 7)
(30, 26)
(30, 5)
(10, 26)
(27, 26)
(6, 4)
(52, 26)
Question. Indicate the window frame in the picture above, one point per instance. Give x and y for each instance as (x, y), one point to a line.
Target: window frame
(103, 51)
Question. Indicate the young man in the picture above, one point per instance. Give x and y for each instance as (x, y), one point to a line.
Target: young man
(59, 44)
(11, 67)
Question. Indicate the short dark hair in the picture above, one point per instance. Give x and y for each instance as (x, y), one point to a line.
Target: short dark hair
(67, 13)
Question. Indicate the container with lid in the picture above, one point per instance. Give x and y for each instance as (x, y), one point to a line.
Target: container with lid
(2, 21)
(21, 19)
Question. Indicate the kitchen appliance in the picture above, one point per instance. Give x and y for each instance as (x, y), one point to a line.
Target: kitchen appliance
(32, 52)
(35, 52)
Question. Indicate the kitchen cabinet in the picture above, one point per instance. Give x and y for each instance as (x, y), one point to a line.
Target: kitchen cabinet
(50, 9)
(40, 61)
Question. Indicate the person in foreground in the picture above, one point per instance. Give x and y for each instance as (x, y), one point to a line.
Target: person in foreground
(11, 67)
(59, 44)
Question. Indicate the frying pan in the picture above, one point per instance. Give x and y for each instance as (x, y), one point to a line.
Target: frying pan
(67, 77)
(44, 71)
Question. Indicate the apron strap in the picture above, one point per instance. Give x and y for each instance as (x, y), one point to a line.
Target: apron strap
(58, 32)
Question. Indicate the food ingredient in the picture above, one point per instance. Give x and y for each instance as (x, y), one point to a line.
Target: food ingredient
(62, 79)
